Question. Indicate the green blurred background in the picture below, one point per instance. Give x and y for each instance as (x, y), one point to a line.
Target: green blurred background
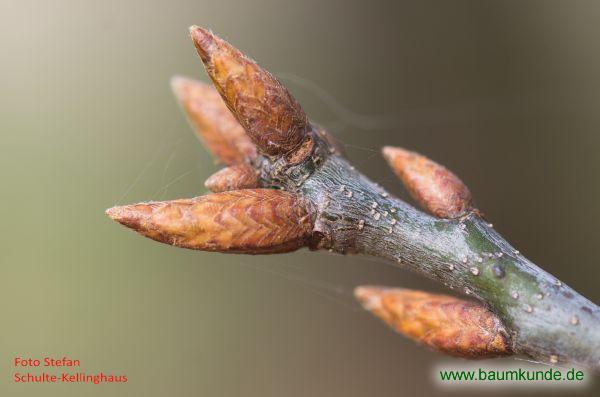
(504, 93)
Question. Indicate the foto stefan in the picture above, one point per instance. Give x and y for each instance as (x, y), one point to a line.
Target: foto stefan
(46, 362)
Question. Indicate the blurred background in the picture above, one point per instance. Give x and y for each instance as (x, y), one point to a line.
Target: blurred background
(504, 93)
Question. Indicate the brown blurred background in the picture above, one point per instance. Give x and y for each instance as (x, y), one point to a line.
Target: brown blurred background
(504, 93)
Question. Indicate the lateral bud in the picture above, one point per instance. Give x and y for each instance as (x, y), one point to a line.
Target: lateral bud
(235, 177)
(213, 123)
(249, 221)
(444, 323)
(264, 107)
(434, 187)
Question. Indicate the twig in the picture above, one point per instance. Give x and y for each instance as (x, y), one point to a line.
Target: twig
(288, 187)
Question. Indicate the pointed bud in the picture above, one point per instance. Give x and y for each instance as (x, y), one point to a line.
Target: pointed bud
(252, 221)
(236, 177)
(435, 188)
(264, 107)
(450, 325)
(214, 124)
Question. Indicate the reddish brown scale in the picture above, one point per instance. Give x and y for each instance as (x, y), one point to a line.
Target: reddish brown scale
(241, 176)
(264, 107)
(214, 124)
(450, 325)
(249, 221)
(434, 187)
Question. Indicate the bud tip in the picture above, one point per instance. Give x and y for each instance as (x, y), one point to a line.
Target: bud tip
(369, 297)
(178, 84)
(203, 40)
(126, 215)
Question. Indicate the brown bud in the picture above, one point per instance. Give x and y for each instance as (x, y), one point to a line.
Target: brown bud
(450, 325)
(434, 187)
(213, 122)
(241, 176)
(251, 221)
(264, 107)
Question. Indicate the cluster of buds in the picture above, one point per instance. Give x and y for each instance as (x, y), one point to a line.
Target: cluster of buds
(248, 117)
